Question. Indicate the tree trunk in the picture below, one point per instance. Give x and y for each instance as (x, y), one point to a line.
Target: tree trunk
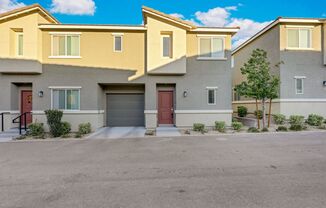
(264, 112)
(270, 113)
(257, 115)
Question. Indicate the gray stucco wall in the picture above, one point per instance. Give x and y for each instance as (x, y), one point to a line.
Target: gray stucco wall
(270, 42)
(303, 63)
(200, 74)
(93, 81)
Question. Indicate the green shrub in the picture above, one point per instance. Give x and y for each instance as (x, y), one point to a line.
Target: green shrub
(54, 122)
(199, 127)
(84, 128)
(265, 129)
(65, 128)
(253, 130)
(315, 120)
(296, 122)
(242, 111)
(234, 119)
(36, 130)
(260, 114)
(237, 125)
(279, 119)
(282, 128)
(220, 126)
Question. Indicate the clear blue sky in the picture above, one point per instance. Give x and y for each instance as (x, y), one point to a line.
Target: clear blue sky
(129, 11)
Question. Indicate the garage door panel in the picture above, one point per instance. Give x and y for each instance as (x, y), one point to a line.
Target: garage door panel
(125, 109)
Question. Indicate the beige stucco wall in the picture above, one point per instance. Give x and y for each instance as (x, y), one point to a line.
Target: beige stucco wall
(96, 50)
(151, 119)
(303, 108)
(155, 59)
(251, 105)
(324, 41)
(186, 120)
(29, 25)
(316, 35)
(95, 119)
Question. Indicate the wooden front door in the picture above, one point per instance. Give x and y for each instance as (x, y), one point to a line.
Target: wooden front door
(165, 107)
(26, 105)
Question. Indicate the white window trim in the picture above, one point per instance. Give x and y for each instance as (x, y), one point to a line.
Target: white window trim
(298, 28)
(117, 35)
(295, 83)
(17, 43)
(215, 94)
(65, 34)
(65, 89)
(171, 46)
(211, 58)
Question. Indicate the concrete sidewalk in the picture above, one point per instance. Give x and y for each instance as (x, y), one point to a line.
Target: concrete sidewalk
(167, 132)
(118, 132)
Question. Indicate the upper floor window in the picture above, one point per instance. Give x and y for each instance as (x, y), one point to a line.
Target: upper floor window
(20, 43)
(65, 99)
(211, 48)
(117, 42)
(299, 38)
(167, 45)
(65, 45)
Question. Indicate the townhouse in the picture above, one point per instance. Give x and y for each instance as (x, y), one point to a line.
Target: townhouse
(164, 72)
(296, 51)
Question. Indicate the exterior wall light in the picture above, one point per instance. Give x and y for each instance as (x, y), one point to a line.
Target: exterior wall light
(185, 93)
(40, 93)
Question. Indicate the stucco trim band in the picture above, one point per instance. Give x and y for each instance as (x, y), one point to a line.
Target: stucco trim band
(74, 112)
(202, 111)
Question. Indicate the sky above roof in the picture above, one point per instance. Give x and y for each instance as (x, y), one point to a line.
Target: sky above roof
(250, 15)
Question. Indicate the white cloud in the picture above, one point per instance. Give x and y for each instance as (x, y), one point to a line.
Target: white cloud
(177, 15)
(7, 5)
(222, 17)
(248, 28)
(73, 7)
(216, 17)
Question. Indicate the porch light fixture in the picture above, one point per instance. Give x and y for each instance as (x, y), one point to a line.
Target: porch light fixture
(185, 93)
(40, 93)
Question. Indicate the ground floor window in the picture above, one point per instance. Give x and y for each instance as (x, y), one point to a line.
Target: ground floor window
(211, 95)
(299, 85)
(66, 99)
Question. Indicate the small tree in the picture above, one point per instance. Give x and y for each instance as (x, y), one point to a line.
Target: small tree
(259, 84)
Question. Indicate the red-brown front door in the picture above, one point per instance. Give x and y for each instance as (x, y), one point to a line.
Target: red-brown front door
(165, 107)
(26, 105)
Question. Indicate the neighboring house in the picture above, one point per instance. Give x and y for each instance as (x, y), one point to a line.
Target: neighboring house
(296, 49)
(165, 72)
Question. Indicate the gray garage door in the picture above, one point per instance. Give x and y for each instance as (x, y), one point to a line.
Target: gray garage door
(125, 110)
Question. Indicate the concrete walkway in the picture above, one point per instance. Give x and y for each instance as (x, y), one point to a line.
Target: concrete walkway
(10, 134)
(167, 132)
(118, 132)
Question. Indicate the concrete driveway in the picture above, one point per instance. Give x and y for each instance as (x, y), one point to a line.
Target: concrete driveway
(118, 132)
(242, 171)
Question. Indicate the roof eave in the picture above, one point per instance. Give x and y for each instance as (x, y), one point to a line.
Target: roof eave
(26, 10)
(188, 26)
(224, 30)
(92, 27)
